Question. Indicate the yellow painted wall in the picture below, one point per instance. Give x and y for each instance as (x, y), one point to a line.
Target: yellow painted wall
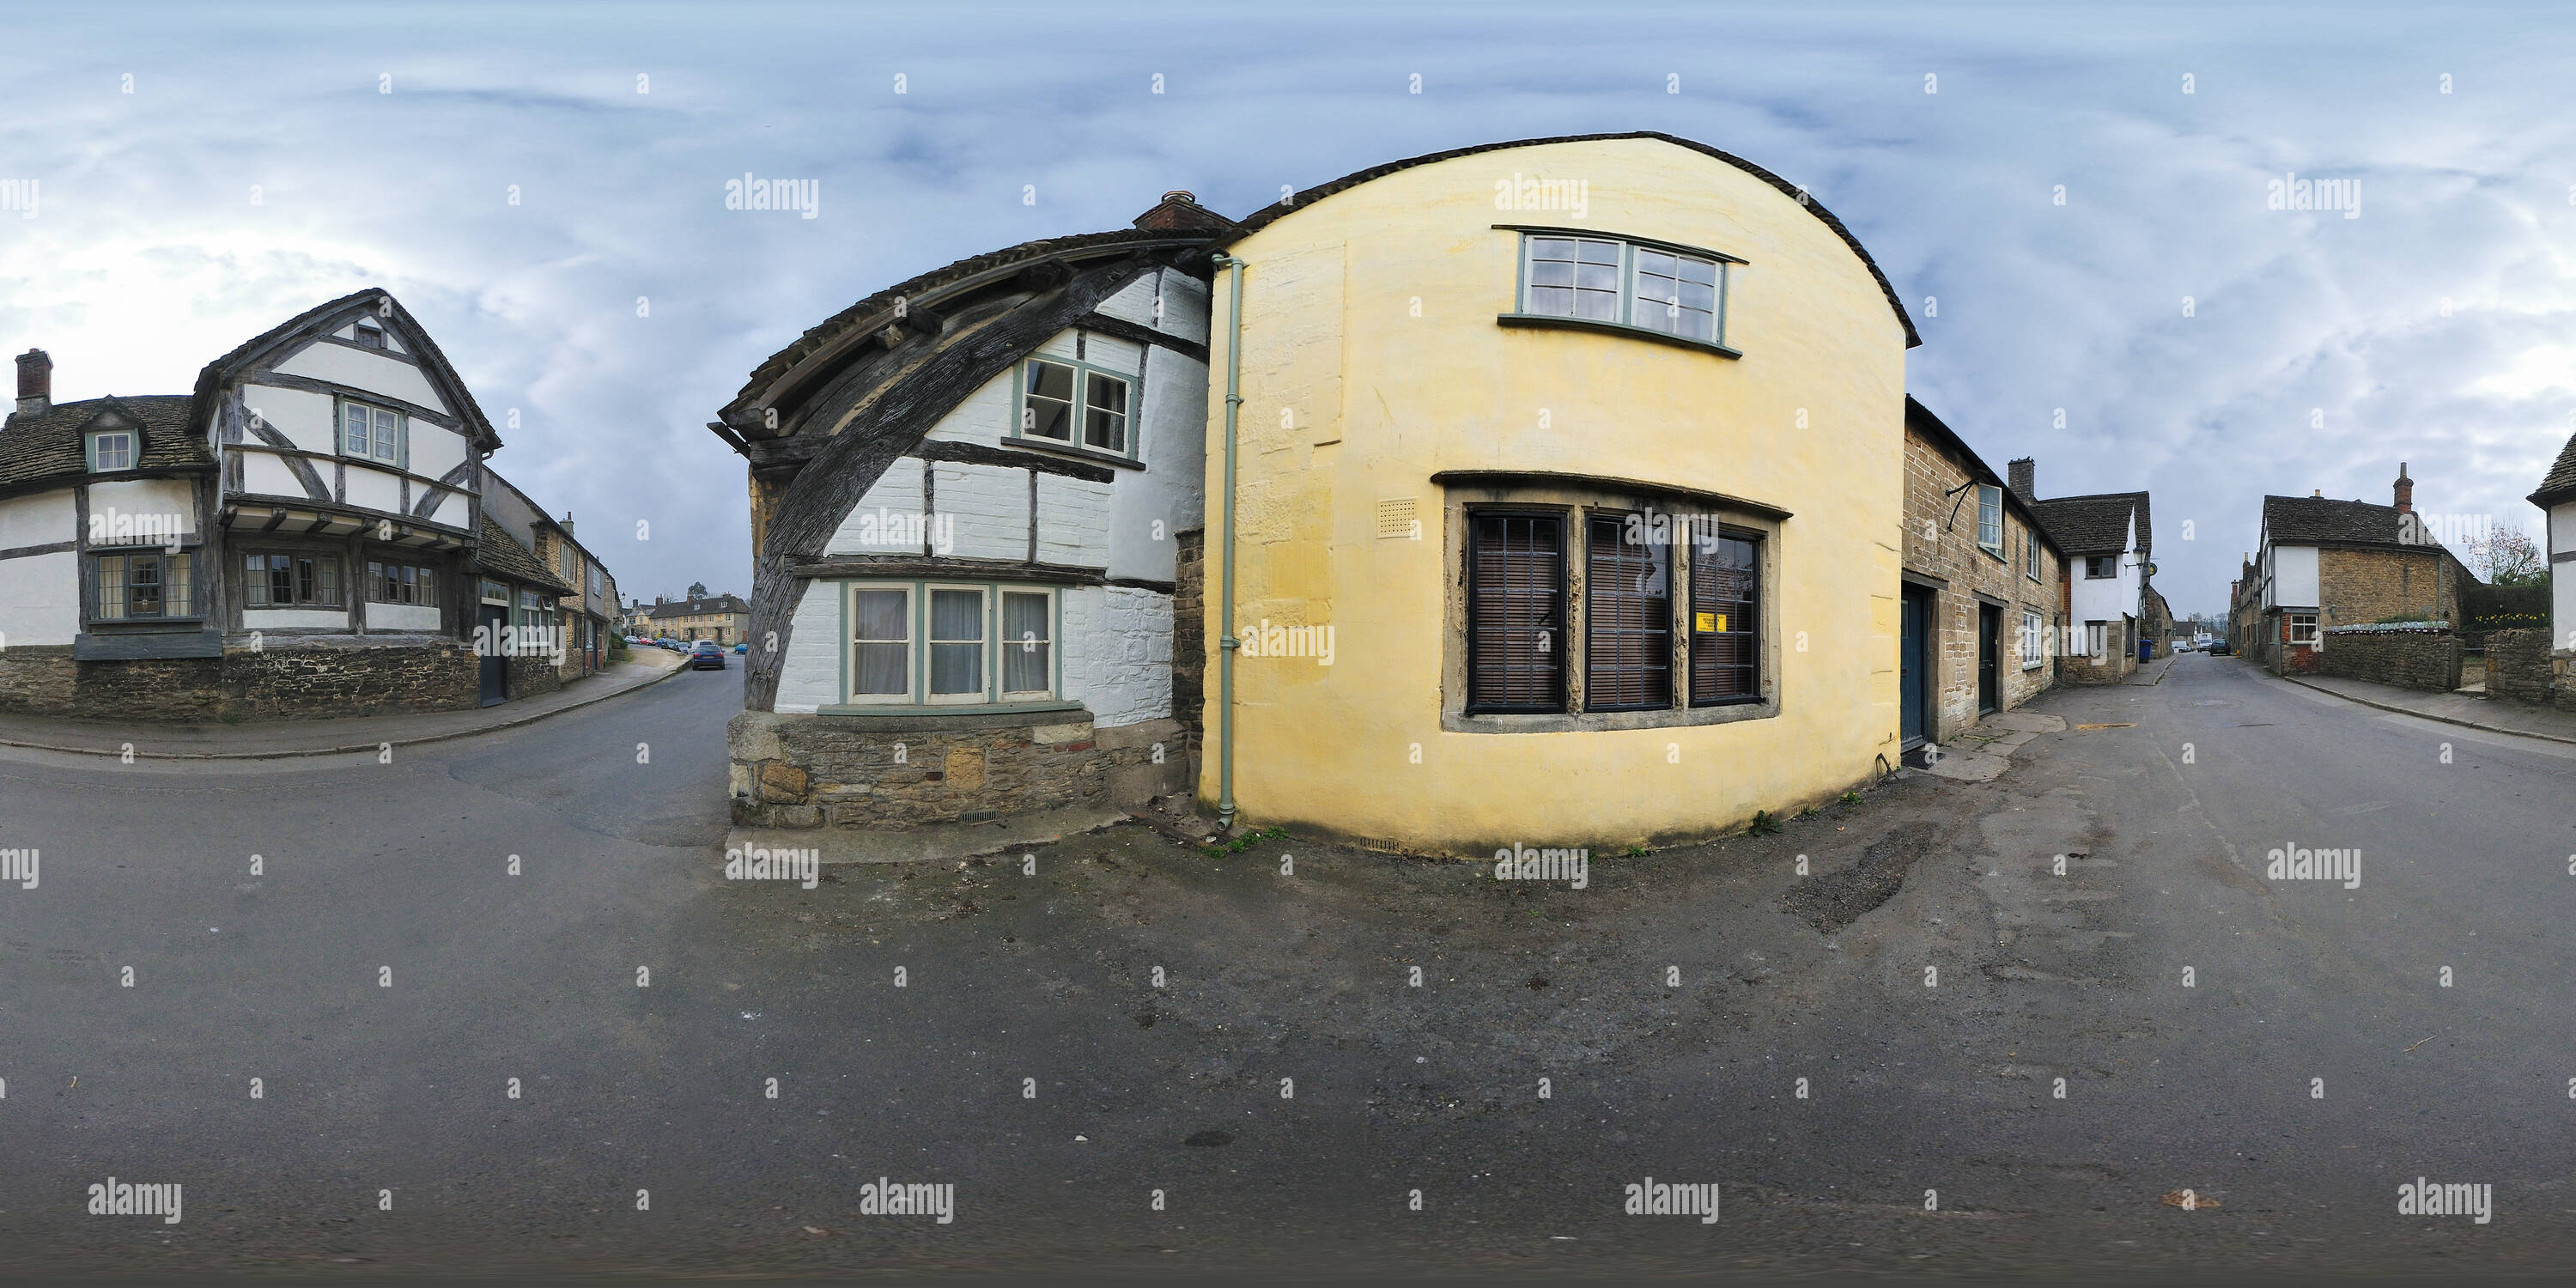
(1379, 398)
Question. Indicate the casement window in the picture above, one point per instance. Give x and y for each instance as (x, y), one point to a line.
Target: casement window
(144, 585)
(111, 449)
(2032, 647)
(2097, 567)
(1664, 289)
(2030, 554)
(1725, 650)
(2303, 628)
(392, 583)
(594, 579)
(1516, 642)
(291, 581)
(1628, 619)
(495, 592)
(1057, 396)
(944, 644)
(1990, 519)
(372, 433)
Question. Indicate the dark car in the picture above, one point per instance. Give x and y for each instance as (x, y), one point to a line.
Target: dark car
(706, 655)
(2222, 648)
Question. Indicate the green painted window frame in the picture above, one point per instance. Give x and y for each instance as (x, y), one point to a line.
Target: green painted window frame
(917, 650)
(1625, 322)
(1082, 371)
(171, 566)
(400, 460)
(133, 449)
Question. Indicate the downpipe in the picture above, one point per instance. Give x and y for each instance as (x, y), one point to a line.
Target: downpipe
(1227, 644)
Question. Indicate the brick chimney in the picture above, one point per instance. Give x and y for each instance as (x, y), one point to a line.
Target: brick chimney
(35, 382)
(2405, 491)
(1180, 211)
(2025, 484)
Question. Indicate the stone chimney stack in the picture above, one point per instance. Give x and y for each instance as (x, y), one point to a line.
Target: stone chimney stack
(2024, 483)
(2405, 491)
(567, 523)
(35, 382)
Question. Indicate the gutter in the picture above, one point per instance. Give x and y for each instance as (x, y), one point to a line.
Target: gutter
(1227, 644)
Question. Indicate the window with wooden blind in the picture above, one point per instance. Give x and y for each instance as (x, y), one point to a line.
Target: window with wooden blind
(1516, 613)
(1628, 619)
(1725, 590)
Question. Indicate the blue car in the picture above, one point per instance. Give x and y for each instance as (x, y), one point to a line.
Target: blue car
(706, 655)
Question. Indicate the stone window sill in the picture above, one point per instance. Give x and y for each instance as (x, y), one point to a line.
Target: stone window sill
(999, 715)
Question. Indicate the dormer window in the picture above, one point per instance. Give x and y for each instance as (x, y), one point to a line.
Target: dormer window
(1623, 283)
(370, 337)
(371, 433)
(111, 449)
(1057, 396)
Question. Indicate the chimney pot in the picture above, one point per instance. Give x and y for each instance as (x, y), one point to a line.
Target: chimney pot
(2405, 491)
(35, 382)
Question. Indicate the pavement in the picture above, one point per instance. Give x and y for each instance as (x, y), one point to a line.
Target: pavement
(2472, 709)
(260, 740)
(509, 1018)
(2152, 671)
(1982, 752)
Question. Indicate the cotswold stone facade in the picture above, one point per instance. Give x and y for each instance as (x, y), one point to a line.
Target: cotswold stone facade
(1959, 569)
(2416, 659)
(792, 771)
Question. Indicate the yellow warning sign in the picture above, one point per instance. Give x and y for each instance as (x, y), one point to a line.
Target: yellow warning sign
(1710, 623)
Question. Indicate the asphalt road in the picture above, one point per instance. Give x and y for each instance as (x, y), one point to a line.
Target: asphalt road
(1028, 1058)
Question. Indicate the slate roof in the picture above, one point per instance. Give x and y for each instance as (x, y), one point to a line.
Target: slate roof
(212, 377)
(502, 555)
(2099, 524)
(874, 312)
(2561, 483)
(2298, 520)
(1255, 221)
(36, 448)
(698, 607)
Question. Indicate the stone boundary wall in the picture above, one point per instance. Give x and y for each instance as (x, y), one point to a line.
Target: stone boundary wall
(2427, 660)
(312, 682)
(2519, 665)
(804, 771)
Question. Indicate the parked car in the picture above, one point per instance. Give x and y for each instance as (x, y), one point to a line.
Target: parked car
(706, 655)
(2221, 648)
(675, 646)
(744, 647)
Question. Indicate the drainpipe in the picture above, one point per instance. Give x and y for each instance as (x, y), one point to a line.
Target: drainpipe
(1227, 644)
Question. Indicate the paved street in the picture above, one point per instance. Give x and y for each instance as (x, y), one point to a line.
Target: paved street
(2165, 800)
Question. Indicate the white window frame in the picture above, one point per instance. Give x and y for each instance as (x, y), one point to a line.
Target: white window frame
(850, 644)
(1990, 504)
(1625, 311)
(1079, 428)
(133, 444)
(984, 597)
(373, 455)
(2310, 637)
(1054, 645)
(2031, 644)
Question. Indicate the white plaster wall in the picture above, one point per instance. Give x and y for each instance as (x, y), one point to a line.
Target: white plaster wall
(40, 599)
(366, 372)
(302, 415)
(2295, 576)
(1073, 521)
(810, 675)
(38, 520)
(435, 449)
(987, 507)
(983, 416)
(1171, 489)
(373, 489)
(1118, 653)
(1185, 306)
(2562, 577)
(402, 617)
(1135, 303)
(160, 499)
(452, 509)
(897, 491)
(264, 474)
(269, 619)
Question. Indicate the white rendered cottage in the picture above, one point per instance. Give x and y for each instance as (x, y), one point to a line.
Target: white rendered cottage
(976, 496)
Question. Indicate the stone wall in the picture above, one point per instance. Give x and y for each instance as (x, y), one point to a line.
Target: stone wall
(803, 771)
(533, 675)
(2119, 656)
(2519, 665)
(2427, 660)
(1941, 542)
(1189, 629)
(2363, 586)
(302, 682)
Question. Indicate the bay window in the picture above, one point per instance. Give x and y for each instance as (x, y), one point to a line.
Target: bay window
(948, 644)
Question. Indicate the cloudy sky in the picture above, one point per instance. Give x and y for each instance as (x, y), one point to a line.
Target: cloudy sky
(203, 175)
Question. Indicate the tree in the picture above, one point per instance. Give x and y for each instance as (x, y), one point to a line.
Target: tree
(2507, 557)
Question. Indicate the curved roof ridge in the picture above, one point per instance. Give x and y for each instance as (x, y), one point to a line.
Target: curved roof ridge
(1262, 217)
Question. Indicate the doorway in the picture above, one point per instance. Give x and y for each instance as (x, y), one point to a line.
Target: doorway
(495, 666)
(1914, 667)
(1990, 626)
